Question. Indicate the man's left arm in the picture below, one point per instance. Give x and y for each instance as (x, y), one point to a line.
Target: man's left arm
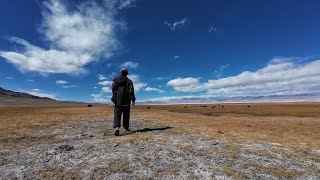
(131, 92)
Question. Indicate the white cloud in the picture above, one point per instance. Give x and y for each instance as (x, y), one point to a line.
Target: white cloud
(101, 77)
(276, 78)
(100, 98)
(76, 37)
(105, 83)
(9, 78)
(95, 87)
(62, 82)
(124, 4)
(176, 24)
(153, 89)
(35, 89)
(130, 64)
(138, 85)
(189, 84)
(106, 89)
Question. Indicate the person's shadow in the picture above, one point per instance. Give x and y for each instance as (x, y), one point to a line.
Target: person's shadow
(146, 130)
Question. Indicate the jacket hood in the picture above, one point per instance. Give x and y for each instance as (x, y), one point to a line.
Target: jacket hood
(120, 80)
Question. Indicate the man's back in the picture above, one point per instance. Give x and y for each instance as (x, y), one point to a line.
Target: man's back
(123, 91)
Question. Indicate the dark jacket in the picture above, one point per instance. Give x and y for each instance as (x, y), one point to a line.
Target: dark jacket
(122, 91)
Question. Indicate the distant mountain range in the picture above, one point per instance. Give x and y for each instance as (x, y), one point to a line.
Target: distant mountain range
(12, 98)
(13, 94)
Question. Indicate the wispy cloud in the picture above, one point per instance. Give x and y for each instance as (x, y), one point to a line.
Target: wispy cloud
(9, 78)
(149, 89)
(76, 37)
(279, 77)
(130, 64)
(101, 77)
(212, 29)
(69, 86)
(124, 4)
(160, 78)
(219, 71)
(62, 82)
(177, 24)
(176, 57)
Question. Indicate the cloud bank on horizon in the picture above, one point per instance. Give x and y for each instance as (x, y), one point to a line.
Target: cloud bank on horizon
(281, 76)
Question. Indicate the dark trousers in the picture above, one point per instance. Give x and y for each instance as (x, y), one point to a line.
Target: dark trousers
(118, 111)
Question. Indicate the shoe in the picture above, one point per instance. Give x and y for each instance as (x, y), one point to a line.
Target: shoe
(117, 133)
(128, 129)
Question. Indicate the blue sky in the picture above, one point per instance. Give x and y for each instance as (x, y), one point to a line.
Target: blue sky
(174, 50)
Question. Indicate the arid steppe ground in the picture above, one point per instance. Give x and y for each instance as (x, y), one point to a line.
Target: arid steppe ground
(213, 141)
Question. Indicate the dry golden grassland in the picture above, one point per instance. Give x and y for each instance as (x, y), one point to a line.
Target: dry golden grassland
(297, 125)
(279, 133)
(291, 124)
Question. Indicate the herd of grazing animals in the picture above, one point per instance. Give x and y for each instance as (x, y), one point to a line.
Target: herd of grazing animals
(203, 106)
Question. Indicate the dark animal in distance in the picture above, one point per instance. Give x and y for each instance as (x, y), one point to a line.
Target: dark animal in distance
(148, 107)
(89, 105)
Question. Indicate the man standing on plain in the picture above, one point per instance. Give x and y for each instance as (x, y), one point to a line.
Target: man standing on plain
(122, 97)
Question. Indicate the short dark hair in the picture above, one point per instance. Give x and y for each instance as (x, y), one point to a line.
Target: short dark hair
(124, 71)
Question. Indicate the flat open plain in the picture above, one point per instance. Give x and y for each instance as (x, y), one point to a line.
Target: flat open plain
(212, 141)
